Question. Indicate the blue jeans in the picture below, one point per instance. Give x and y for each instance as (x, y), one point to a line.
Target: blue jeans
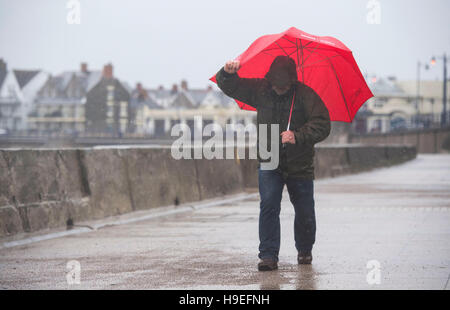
(301, 194)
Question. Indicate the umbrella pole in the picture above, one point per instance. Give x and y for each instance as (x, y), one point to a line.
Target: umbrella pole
(290, 116)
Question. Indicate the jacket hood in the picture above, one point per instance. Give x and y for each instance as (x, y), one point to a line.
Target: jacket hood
(282, 71)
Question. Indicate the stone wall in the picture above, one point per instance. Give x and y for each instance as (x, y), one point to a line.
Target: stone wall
(49, 188)
(332, 161)
(426, 140)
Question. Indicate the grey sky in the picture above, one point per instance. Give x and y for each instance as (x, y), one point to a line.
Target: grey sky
(162, 42)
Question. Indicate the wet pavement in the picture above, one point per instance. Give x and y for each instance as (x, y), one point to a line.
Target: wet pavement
(384, 229)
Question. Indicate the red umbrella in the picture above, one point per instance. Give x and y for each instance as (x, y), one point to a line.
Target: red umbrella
(323, 63)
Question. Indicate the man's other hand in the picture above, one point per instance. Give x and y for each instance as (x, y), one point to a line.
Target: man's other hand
(287, 137)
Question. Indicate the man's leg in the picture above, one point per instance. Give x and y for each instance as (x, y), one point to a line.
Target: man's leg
(271, 186)
(301, 194)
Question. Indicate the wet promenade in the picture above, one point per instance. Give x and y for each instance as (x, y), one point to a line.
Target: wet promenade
(384, 229)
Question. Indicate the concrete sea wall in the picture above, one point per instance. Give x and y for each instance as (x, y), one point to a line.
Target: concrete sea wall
(436, 140)
(50, 188)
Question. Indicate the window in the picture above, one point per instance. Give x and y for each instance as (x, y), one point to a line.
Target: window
(110, 95)
(379, 102)
(110, 111)
(123, 125)
(123, 109)
(398, 123)
(72, 111)
(11, 91)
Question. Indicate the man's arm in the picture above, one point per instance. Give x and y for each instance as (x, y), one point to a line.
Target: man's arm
(236, 87)
(318, 125)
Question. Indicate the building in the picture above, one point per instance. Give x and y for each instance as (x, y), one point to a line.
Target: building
(108, 108)
(194, 107)
(429, 105)
(60, 103)
(82, 102)
(143, 105)
(396, 106)
(18, 89)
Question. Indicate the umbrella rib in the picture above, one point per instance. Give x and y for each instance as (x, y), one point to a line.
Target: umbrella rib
(284, 37)
(312, 52)
(268, 54)
(326, 58)
(303, 71)
(323, 59)
(300, 67)
(340, 87)
(296, 41)
(282, 49)
(320, 66)
(292, 53)
(337, 54)
(320, 48)
(304, 46)
(276, 48)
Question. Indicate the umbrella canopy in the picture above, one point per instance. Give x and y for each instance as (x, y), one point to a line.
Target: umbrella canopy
(323, 63)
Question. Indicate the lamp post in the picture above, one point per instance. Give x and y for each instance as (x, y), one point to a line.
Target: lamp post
(419, 66)
(444, 95)
(444, 91)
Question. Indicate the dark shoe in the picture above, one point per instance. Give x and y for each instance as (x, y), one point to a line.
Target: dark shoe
(267, 265)
(304, 258)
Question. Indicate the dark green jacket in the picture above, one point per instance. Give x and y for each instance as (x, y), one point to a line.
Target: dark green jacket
(310, 118)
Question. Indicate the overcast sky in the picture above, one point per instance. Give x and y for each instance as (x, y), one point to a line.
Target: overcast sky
(162, 42)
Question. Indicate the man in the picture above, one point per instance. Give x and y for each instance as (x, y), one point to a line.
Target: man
(272, 96)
